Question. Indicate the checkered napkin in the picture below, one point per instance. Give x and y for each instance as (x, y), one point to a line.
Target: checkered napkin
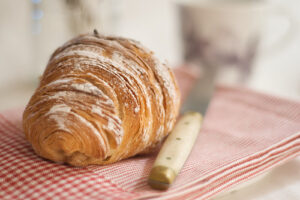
(244, 134)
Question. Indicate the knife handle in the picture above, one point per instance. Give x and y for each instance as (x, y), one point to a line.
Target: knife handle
(175, 151)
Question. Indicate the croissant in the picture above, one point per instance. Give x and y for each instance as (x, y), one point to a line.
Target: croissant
(101, 99)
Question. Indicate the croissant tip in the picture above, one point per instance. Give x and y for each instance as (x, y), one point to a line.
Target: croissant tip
(57, 148)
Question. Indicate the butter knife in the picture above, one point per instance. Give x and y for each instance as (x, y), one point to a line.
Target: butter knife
(175, 151)
(180, 141)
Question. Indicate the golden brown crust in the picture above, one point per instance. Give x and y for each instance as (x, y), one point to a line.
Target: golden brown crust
(101, 99)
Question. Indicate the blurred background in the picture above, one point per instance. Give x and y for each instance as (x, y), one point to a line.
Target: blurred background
(253, 43)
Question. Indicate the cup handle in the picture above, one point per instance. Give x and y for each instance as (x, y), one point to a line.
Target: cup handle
(286, 38)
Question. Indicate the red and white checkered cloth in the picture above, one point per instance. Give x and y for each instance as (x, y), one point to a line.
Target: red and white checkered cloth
(245, 133)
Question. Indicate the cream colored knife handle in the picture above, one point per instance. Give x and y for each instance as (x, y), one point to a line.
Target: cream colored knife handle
(175, 151)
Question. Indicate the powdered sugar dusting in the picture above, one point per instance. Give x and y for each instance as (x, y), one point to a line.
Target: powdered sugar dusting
(136, 109)
(60, 81)
(97, 110)
(87, 87)
(59, 108)
(60, 119)
(113, 123)
(110, 124)
(57, 95)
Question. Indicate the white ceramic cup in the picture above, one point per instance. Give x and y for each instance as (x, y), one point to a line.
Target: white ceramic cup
(224, 37)
(228, 34)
